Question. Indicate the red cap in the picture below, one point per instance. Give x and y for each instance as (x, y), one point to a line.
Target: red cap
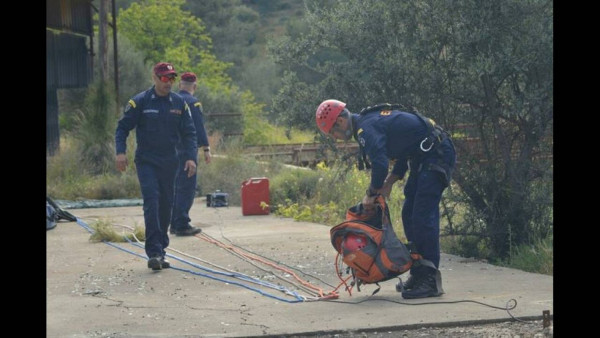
(188, 76)
(164, 68)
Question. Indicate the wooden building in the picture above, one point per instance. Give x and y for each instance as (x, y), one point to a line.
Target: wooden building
(69, 56)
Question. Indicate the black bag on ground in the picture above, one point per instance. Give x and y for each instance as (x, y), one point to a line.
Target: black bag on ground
(51, 216)
(54, 213)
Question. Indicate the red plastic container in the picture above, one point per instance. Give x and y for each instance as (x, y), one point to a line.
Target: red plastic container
(254, 191)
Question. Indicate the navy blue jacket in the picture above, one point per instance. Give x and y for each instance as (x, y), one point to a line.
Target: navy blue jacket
(389, 135)
(196, 109)
(161, 121)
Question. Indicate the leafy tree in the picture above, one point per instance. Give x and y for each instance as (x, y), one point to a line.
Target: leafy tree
(163, 31)
(233, 26)
(240, 31)
(486, 65)
(236, 32)
(133, 72)
(162, 27)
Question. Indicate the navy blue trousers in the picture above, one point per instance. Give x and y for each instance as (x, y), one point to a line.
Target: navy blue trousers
(185, 191)
(157, 185)
(423, 192)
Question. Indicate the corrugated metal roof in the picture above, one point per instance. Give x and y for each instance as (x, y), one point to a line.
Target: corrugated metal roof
(69, 15)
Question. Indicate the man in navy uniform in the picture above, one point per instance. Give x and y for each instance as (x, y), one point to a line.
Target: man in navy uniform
(162, 119)
(386, 132)
(185, 186)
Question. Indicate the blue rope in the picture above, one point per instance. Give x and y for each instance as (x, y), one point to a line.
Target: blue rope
(229, 274)
(235, 275)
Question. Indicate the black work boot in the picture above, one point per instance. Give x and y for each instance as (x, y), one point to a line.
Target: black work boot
(154, 263)
(429, 284)
(409, 284)
(164, 263)
(186, 231)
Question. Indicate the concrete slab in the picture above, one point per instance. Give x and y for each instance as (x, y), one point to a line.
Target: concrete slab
(94, 289)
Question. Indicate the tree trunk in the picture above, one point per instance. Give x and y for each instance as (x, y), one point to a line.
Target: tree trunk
(103, 41)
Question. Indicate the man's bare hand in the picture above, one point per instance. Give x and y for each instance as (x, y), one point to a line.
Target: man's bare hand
(207, 157)
(190, 167)
(368, 203)
(121, 162)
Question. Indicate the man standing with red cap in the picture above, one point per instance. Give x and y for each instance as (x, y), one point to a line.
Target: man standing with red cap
(162, 119)
(185, 185)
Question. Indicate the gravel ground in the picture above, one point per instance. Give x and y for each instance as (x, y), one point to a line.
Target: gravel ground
(512, 329)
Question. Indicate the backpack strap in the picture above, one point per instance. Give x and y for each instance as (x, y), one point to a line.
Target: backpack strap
(435, 133)
(376, 290)
(382, 106)
(363, 162)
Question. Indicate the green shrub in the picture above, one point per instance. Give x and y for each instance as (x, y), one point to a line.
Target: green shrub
(227, 173)
(318, 213)
(465, 246)
(325, 194)
(294, 185)
(536, 257)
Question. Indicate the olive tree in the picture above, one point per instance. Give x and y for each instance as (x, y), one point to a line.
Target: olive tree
(481, 69)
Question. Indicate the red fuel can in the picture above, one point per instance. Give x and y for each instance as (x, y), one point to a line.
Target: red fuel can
(255, 191)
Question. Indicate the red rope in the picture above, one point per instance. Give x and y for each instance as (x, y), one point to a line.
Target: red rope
(339, 274)
(320, 292)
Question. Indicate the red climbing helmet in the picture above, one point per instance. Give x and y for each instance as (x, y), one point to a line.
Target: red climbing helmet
(354, 242)
(327, 113)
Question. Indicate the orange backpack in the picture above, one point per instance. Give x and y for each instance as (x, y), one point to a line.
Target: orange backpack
(382, 256)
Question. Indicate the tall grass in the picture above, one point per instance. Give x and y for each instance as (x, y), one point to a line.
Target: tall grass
(535, 257)
(68, 179)
(95, 128)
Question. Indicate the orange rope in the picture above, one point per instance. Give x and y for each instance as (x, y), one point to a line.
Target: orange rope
(205, 237)
(339, 274)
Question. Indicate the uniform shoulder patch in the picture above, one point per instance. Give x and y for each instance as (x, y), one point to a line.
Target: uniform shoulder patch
(130, 104)
(385, 112)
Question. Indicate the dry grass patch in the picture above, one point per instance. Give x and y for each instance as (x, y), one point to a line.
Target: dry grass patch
(104, 231)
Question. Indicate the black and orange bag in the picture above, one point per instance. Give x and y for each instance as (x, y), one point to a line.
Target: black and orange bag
(369, 246)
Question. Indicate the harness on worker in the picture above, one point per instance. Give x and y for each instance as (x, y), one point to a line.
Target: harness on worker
(369, 247)
(435, 136)
(435, 133)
